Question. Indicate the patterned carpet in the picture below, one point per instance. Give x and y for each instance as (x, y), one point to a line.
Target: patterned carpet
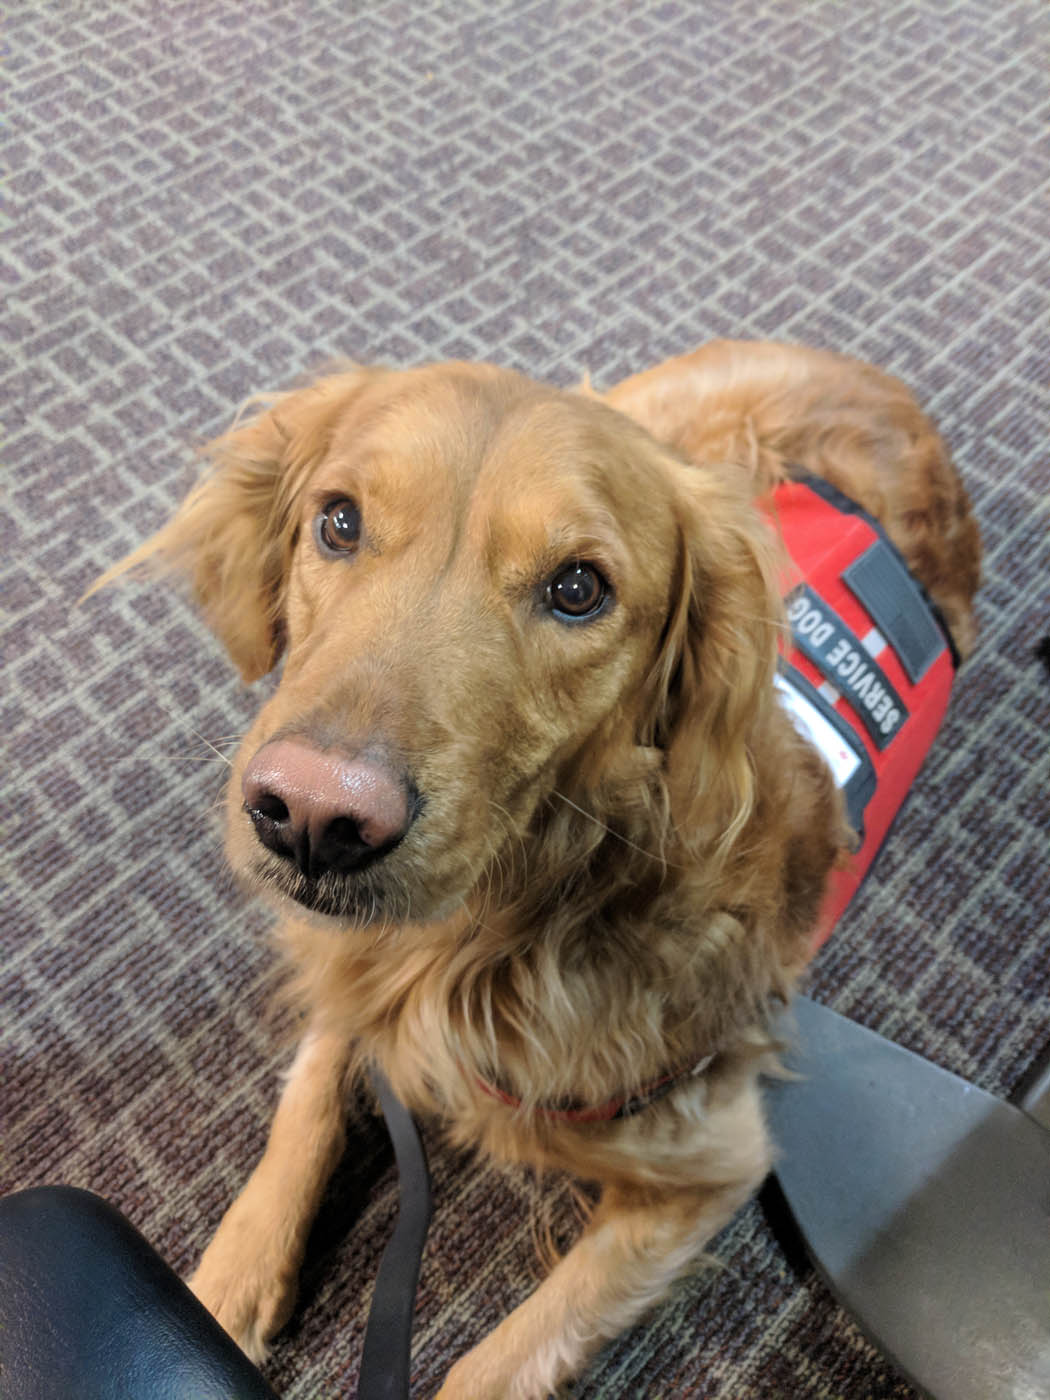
(204, 199)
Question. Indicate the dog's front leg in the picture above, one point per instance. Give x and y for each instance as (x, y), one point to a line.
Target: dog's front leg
(247, 1277)
(635, 1246)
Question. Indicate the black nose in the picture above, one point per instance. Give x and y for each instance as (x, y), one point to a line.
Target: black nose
(322, 810)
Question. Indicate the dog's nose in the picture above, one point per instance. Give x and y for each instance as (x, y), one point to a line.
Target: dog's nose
(324, 810)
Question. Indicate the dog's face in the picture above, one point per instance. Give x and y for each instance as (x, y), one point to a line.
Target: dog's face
(492, 596)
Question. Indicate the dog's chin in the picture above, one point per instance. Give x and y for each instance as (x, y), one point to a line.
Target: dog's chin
(335, 898)
(350, 902)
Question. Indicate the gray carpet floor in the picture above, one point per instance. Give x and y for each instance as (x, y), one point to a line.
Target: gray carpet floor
(206, 198)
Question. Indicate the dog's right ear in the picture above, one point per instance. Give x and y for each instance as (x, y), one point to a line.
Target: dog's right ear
(233, 535)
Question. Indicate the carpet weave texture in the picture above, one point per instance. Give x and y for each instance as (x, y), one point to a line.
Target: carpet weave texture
(205, 199)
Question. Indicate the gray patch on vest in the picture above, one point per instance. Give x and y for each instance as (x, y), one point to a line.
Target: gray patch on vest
(895, 601)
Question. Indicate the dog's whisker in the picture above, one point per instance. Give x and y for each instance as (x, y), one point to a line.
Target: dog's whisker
(649, 855)
(218, 753)
(196, 758)
(505, 817)
(179, 722)
(501, 868)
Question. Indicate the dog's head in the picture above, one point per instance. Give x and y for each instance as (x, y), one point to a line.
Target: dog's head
(492, 598)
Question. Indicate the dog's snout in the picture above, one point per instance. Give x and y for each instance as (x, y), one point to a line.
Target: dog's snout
(322, 809)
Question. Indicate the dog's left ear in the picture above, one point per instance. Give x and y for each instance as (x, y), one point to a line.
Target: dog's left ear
(713, 683)
(233, 535)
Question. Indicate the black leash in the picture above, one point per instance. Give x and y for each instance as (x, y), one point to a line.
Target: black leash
(386, 1354)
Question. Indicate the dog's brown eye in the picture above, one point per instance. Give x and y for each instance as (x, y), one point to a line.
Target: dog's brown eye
(576, 591)
(338, 527)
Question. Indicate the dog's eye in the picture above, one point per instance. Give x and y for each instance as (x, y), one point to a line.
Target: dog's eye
(576, 591)
(338, 527)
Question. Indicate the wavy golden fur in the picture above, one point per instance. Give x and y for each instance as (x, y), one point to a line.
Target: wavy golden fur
(621, 842)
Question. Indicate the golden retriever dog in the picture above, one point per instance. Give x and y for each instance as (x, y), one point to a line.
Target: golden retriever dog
(544, 843)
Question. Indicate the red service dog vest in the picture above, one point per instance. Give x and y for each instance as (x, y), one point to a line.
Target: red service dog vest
(870, 667)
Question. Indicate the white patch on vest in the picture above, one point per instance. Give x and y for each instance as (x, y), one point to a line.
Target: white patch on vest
(812, 725)
(873, 642)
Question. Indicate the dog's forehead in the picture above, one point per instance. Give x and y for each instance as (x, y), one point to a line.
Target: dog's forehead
(432, 414)
(424, 433)
(488, 456)
(562, 462)
(476, 420)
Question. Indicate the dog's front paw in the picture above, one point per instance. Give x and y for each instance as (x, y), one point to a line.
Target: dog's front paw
(487, 1374)
(462, 1383)
(247, 1287)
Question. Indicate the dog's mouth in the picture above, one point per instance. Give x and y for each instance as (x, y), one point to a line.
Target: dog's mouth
(350, 900)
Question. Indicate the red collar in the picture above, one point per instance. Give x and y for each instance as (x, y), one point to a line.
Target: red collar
(615, 1109)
